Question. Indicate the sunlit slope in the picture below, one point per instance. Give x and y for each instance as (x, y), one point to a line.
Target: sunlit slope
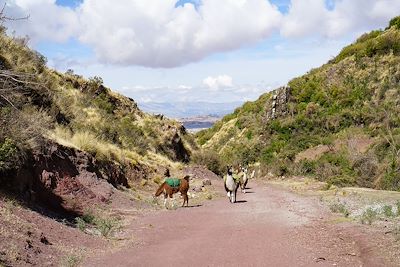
(338, 123)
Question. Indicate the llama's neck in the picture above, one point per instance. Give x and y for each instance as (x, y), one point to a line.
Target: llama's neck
(230, 182)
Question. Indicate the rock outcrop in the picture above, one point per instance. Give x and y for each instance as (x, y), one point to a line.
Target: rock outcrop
(277, 107)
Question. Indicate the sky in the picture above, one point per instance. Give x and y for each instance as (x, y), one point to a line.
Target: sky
(194, 50)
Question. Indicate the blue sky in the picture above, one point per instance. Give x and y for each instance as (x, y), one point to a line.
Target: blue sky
(216, 51)
(69, 3)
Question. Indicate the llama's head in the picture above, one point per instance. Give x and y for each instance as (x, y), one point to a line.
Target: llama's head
(229, 169)
(244, 169)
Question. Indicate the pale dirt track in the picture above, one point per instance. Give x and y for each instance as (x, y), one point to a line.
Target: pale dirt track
(267, 227)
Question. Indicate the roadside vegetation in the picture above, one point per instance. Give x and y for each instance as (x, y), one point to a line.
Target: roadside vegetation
(103, 225)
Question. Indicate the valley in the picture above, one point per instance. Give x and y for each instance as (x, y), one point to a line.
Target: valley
(80, 163)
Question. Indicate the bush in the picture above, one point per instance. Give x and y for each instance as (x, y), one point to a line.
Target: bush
(132, 136)
(340, 208)
(391, 178)
(209, 159)
(88, 217)
(341, 180)
(107, 226)
(8, 154)
(366, 168)
(103, 102)
(374, 43)
(369, 216)
(307, 167)
(80, 223)
(395, 22)
(388, 211)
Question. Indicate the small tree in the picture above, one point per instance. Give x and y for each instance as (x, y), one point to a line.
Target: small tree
(395, 22)
(392, 176)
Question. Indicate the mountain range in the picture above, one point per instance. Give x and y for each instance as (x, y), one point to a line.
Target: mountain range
(189, 109)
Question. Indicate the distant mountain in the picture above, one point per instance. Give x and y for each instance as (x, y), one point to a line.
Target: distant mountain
(194, 124)
(190, 109)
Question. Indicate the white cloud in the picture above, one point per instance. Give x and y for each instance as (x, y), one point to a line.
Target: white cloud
(221, 81)
(183, 87)
(314, 18)
(155, 33)
(46, 22)
(152, 33)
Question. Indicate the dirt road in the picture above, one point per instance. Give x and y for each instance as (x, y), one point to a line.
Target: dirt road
(267, 227)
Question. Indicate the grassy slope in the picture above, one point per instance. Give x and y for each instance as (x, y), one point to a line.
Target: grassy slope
(75, 112)
(355, 96)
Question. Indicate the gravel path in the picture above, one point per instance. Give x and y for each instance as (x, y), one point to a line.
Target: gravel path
(267, 227)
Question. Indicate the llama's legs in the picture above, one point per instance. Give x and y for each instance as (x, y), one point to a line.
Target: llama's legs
(172, 200)
(185, 199)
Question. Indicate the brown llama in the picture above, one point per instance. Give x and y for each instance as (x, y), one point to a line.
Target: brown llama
(168, 190)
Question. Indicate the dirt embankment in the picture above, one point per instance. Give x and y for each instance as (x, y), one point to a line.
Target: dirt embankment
(65, 180)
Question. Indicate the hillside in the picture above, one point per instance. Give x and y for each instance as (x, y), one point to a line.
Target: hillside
(62, 134)
(338, 123)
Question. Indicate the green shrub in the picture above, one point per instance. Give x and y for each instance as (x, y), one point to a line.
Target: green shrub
(374, 43)
(107, 226)
(88, 217)
(8, 152)
(340, 208)
(395, 22)
(249, 135)
(71, 260)
(281, 168)
(369, 216)
(341, 180)
(307, 167)
(366, 168)
(132, 136)
(103, 102)
(391, 178)
(388, 211)
(80, 223)
(209, 159)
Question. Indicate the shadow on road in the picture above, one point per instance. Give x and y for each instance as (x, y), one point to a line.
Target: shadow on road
(241, 201)
(194, 206)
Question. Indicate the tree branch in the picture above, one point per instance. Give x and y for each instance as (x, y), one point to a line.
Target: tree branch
(8, 101)
(4, 17)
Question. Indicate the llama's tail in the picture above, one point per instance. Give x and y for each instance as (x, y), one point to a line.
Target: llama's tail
(160, 190)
